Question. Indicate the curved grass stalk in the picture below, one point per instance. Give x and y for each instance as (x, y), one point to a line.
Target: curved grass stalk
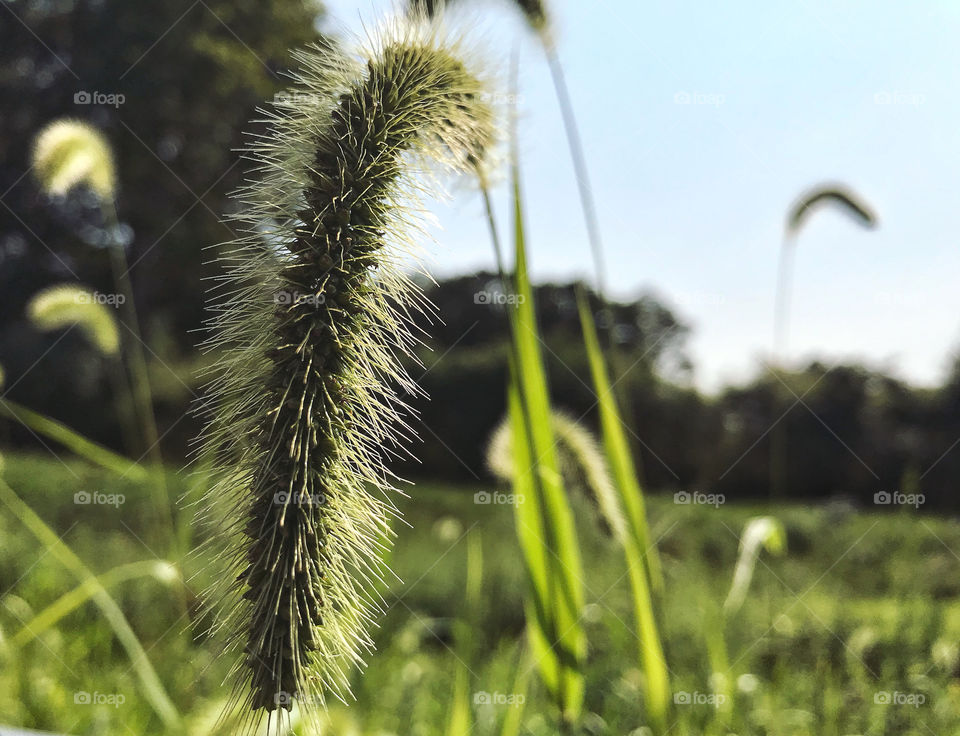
(68, 602)
(809, 202)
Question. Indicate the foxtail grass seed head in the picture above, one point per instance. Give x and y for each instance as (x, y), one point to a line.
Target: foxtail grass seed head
(308, 322)
(834, 194)
(57, 307)
(534, 11)
(68, 153)
(582, 463)
(760, 533)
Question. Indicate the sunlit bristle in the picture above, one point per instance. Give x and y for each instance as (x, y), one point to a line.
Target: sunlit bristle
(303, 406)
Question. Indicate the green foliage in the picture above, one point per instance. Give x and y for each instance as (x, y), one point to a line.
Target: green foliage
(54, 545)
(617, 450)
(869, 622)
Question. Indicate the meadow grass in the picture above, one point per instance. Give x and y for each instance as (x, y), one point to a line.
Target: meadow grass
(860, 605)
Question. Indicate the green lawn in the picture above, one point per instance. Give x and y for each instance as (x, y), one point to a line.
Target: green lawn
(861, 609)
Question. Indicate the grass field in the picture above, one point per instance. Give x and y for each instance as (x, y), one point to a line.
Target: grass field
(854, 630)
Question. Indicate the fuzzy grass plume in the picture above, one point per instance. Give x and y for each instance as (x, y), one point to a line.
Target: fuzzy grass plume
(835, 194)
(66, 305)
(310, 318)
(534, 11)
(581, 461)
(68, 153)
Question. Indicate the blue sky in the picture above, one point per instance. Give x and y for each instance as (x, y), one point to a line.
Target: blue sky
(692, 197)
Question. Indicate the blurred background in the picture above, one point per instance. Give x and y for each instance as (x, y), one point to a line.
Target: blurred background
(701, 129)
(702, 125)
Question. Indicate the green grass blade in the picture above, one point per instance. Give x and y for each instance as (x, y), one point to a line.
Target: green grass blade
(459, 723)
(618, 449)
(529, 523)
(521, 684)
(76, 443)
(68, 602)
(656, 677)
(556, 534)
(153, 688)
(641, 556)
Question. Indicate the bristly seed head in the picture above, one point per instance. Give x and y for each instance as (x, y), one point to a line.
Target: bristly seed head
(303, 405)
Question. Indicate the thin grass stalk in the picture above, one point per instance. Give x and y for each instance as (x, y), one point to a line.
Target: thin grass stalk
(460, 719)
(848, 202)
(69, 602)
(58, 549)
(76, 443)
(138, 374)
